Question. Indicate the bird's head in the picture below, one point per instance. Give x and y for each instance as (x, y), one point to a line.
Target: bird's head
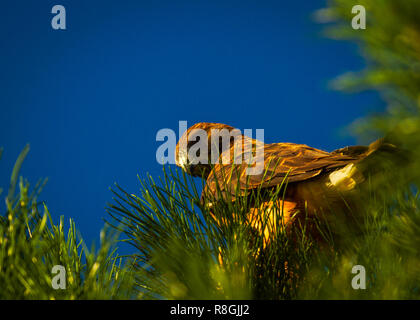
(201, 146)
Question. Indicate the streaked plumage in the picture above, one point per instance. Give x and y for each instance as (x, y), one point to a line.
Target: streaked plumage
(316, 179)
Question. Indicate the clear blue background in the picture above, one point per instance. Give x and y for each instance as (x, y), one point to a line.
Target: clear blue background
(91, 99)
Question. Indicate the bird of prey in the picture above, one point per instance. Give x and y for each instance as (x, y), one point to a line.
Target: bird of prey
(316, 179)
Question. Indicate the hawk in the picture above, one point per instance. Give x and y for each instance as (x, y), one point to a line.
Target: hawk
(316, 180)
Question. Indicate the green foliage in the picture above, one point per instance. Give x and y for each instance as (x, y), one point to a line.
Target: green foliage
(390, 246)
(388, 249)
(184, 252)
(31, 244)
(190, 250)
(390, 45)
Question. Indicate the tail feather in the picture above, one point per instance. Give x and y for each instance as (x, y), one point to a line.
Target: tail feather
(379, 158)
(383, 156)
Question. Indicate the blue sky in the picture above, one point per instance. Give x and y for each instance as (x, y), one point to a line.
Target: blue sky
(90, 99)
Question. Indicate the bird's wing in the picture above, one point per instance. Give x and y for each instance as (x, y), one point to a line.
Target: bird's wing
(294, 162)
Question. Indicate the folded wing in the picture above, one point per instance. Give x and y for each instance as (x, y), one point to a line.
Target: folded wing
(282, 161)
